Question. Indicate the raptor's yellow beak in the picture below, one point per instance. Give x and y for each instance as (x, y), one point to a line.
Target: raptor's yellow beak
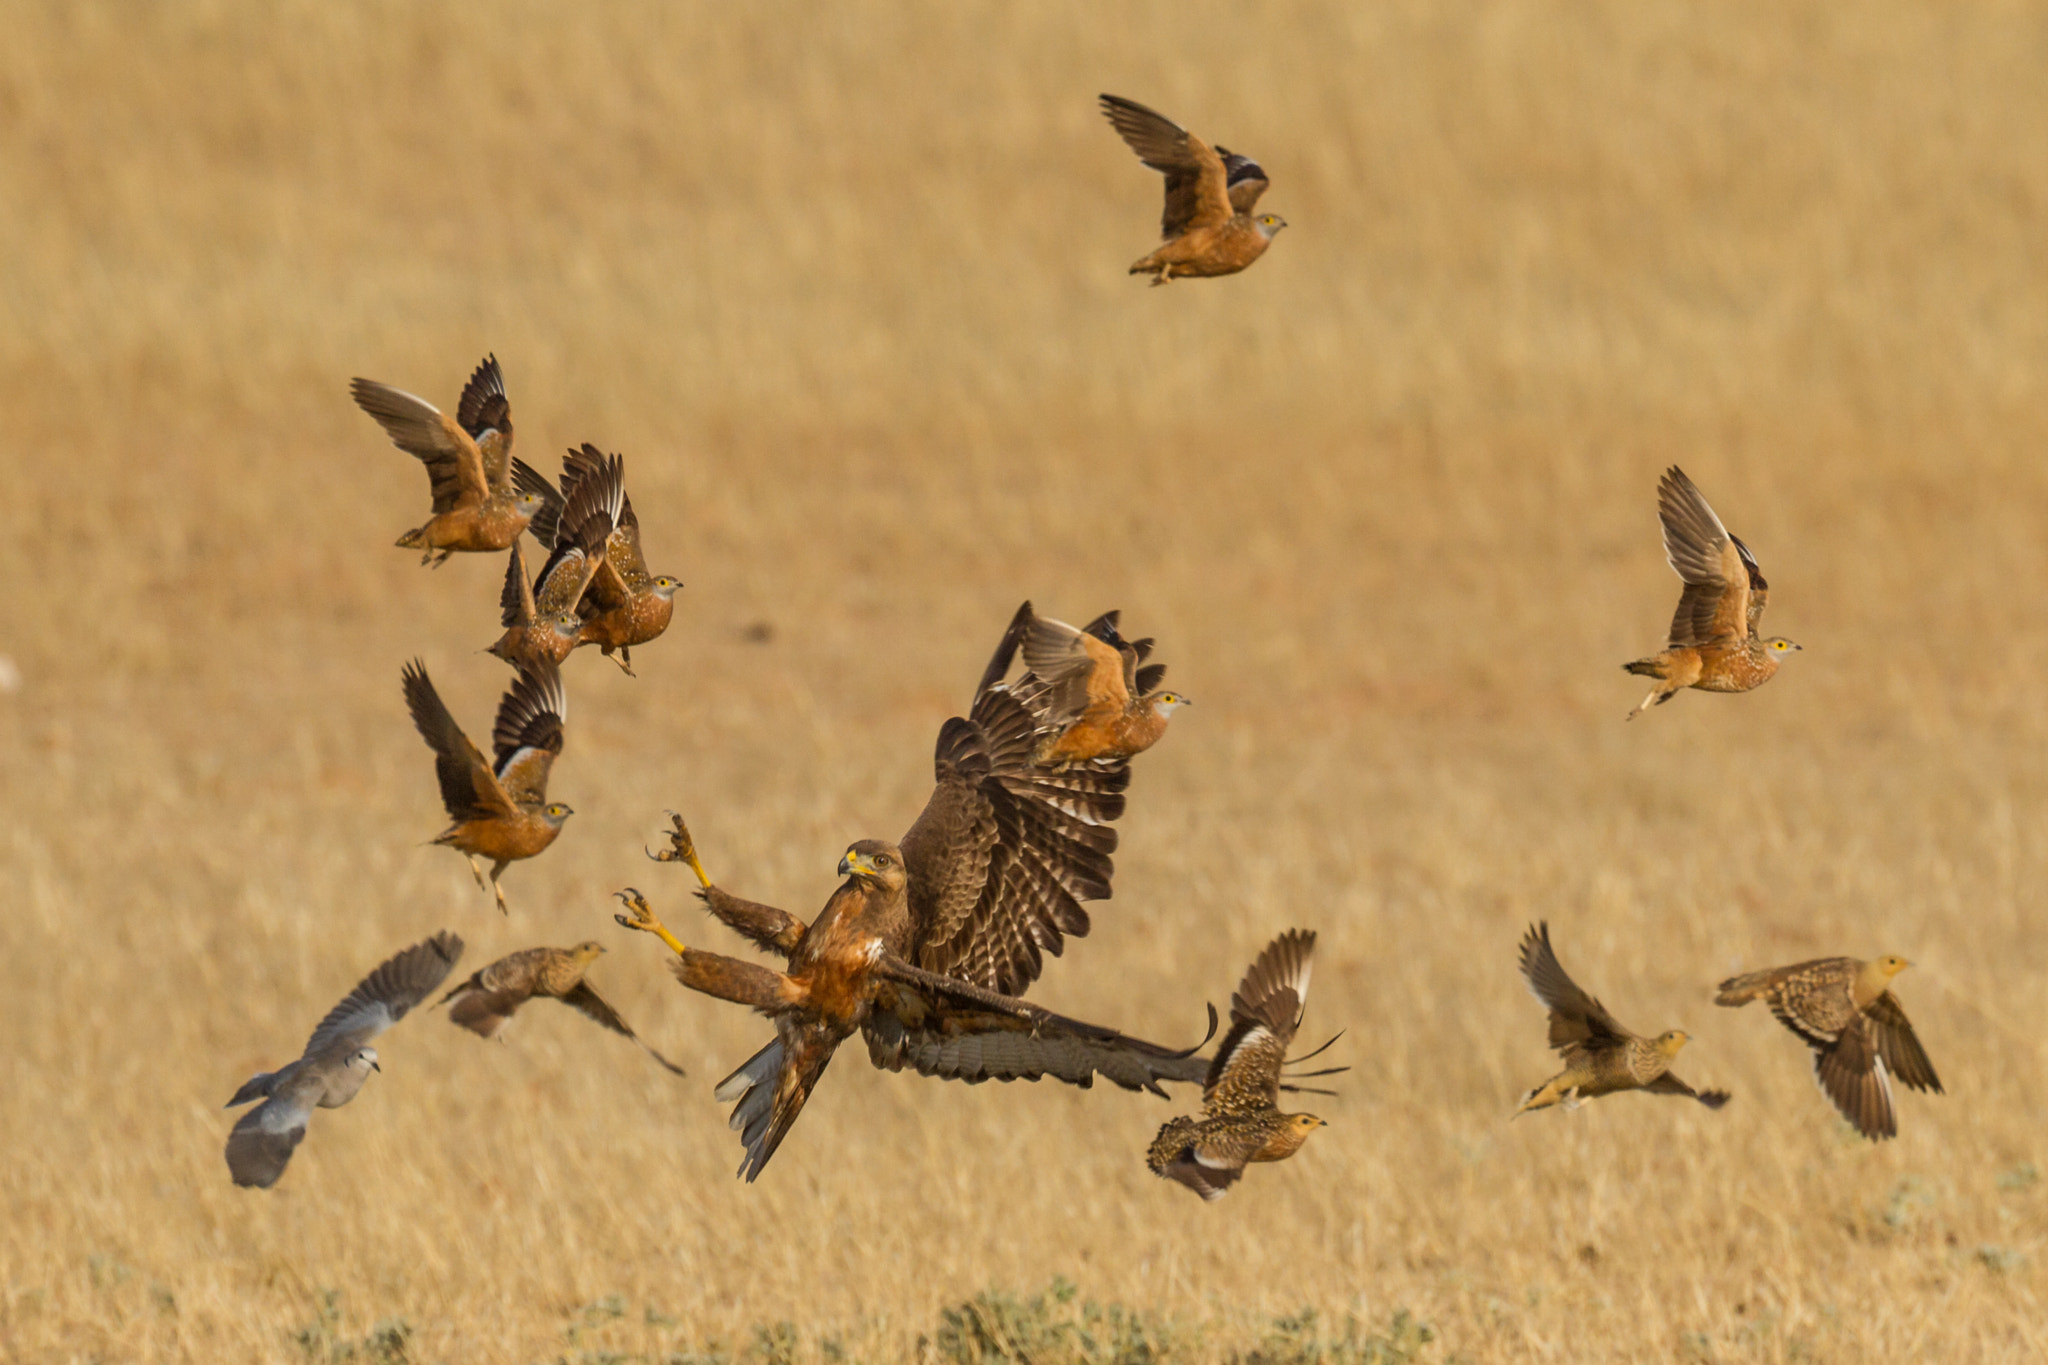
(855, 863)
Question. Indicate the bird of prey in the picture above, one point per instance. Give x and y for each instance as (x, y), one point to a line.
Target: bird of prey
(483, 495)
(1006, 848)
(624, 605)
(1241, 1120)
(1844, 1010)
(846, 973)
(995, 870)
(1600, 1056)
(485, 1002)
(540, 617)
(1713, 644)
(337, 1060)
(1208, 226)
(1101, 699)
(500, 809)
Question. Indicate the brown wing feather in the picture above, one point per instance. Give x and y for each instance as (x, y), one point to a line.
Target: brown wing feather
(1082, 671)
(1208, 1163)
(484, 1012)
(528, 734)
(515, 599)
(1052, 849)
(1668, 1084)
(1900, 1046)
(958, 1031)
(1853, 1075)
(1759, 590)
(423, 431)
(1576, 1018)
(547, 520)
(469, 789)
(482, 411)
(1196, 183)
(588, 1002)
(1244, 178)
(584, 530)
(947, 850)
(493, 992)
(1715, 603)
(1006, 649)
(1264, 1014)
(961, 1050)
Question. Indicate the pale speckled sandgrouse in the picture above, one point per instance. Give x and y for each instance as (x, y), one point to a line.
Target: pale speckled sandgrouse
(1241, 1118)
(1844, 1010)
(1600, 1056)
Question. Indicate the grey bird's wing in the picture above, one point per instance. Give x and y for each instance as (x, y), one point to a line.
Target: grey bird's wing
(383, 998)
(264, 1139)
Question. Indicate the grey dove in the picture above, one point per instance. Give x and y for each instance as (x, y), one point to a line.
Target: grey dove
(337, 1060)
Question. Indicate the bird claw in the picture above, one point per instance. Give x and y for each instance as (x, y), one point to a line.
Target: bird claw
(1571, 1100)
(643, 918)
(682, 849)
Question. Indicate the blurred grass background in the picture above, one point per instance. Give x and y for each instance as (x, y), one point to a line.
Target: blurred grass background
(846, 286)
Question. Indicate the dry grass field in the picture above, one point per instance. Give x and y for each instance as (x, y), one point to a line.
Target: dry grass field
(846, 286)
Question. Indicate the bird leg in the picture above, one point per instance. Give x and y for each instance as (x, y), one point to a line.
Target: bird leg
(498, 890)
(1570, 1099)
(624, 659)
(682, 849)
(476, 869)
(642, 917)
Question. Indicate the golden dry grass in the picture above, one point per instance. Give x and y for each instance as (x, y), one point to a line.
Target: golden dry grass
(846, 286)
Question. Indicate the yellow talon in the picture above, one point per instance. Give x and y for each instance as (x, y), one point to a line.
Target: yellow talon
(643, 919)
(683, 849)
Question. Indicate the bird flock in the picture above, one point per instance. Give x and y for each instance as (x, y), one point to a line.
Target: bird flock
(930, 941)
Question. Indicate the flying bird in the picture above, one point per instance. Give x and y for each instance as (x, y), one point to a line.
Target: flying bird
(1101, 699)
(541, 617)
(492, 995)
(337, 1060)
(1007, 847)
(1600, 1056)
(624, 604)
(500, 809)
(1241, 1119)
(846, 973)
(484, 496)
(1843, 1009)
(1208, 225)
(995, 870)
(1714, 644)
